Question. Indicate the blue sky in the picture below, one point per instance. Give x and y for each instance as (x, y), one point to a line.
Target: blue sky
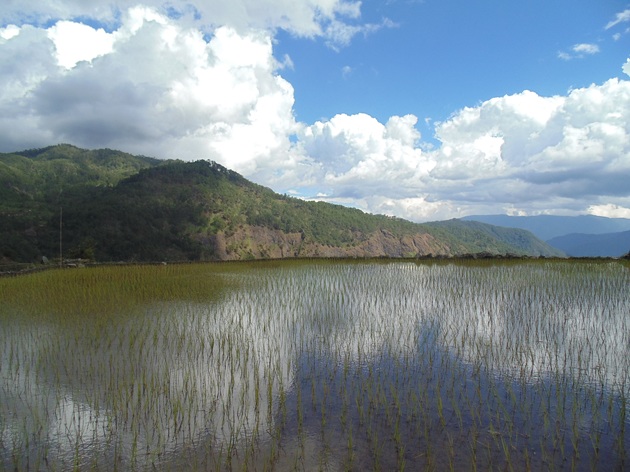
(421, 109)
(440, 56)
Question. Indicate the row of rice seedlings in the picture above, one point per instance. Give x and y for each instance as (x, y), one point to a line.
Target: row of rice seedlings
(352, 365)
(489, 358)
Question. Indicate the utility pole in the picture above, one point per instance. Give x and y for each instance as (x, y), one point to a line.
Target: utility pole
(60, 236)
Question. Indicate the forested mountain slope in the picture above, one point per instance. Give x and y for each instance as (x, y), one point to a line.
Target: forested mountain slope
(115, 206)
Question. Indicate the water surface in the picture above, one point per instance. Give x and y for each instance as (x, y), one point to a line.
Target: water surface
(317, 365)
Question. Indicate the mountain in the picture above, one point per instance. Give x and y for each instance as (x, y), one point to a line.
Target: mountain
(547, 227)
(593, 245)
(34, 184)
(480, 234)
(110, 206)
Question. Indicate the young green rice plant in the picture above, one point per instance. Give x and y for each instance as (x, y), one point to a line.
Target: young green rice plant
(202, 364)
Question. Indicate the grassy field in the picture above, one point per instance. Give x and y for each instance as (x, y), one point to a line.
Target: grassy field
(317, 365)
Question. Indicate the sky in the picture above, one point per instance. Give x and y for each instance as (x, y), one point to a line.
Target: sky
(422, 109)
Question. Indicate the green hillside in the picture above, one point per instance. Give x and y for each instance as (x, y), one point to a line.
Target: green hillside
(35, 183)
(477, 236)
(116, 206)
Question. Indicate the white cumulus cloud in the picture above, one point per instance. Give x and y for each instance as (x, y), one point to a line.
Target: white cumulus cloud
(357, 155)
(537, 153)
(202, 82)
(521, 153)
(78, 42)
(151, 87)
(609, 210)
(9, 32)
(302, 17)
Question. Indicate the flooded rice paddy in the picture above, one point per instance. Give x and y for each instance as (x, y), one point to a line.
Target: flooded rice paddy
(317, 365)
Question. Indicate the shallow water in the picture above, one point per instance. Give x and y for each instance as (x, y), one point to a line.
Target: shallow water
(324, 365)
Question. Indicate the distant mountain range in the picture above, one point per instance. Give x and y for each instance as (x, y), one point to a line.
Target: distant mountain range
(578, 236)
(106, 205)
(593, 245)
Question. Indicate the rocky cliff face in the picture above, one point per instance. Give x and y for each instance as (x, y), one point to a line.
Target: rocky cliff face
(256, 242)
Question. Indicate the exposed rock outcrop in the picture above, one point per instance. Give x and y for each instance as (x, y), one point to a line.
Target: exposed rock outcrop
(256, 242)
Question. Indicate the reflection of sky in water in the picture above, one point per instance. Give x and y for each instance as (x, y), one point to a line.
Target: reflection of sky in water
(177, 374)
(519, 320)
(549, 323)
